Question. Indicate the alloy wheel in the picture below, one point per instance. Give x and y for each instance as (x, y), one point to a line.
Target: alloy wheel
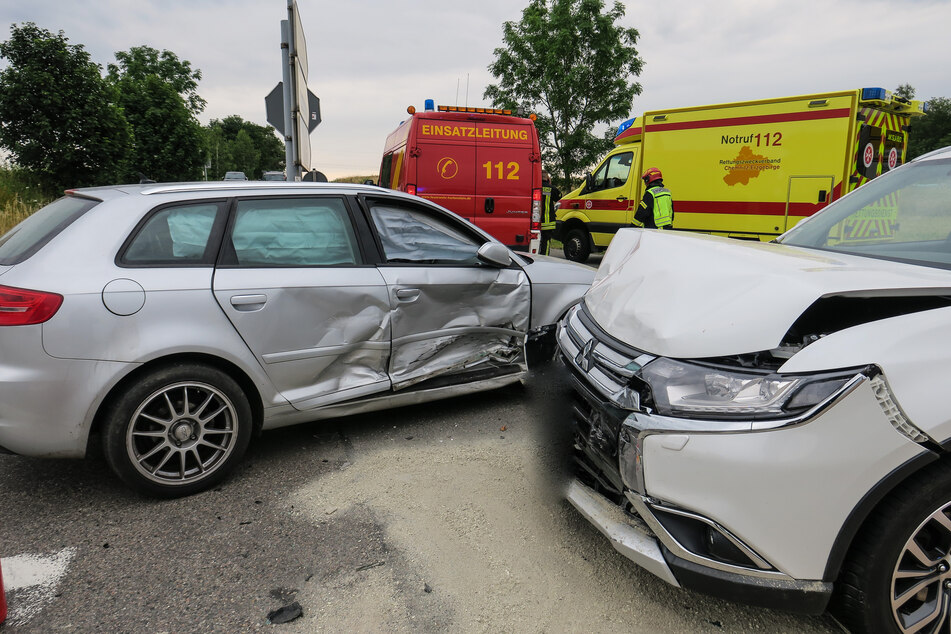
(921, 582)
(182, 433)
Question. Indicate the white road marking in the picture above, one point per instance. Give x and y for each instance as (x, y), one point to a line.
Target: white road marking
(30, 582)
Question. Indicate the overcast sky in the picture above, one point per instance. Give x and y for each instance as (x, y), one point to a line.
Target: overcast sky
(370, 59)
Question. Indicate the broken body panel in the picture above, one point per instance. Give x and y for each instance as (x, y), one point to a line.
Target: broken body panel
(716, 400)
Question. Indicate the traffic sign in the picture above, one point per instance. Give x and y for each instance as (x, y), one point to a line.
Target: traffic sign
(274, 109)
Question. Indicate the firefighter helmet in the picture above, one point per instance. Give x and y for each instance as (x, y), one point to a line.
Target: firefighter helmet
(652, 174)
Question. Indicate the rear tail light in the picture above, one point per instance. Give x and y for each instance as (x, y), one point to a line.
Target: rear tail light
(21, 307)
(411, 190)
(535, 241)
(536, 208)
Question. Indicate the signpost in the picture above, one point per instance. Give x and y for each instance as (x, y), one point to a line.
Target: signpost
(291, 108)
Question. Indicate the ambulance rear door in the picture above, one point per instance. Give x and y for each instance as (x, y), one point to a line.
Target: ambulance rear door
(504, 178)
(445, 164)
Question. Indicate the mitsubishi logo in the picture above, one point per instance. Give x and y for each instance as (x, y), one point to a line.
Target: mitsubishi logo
(585, 358)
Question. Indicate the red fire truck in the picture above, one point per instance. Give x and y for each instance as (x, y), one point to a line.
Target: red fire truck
(481, 163)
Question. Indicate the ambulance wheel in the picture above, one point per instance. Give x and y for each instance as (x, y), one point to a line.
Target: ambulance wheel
(577, 246)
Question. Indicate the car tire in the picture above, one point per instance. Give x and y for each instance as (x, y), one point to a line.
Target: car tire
(577, 246)
(177, 430)
(898, 571)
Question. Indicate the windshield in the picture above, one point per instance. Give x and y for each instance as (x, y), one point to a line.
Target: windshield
(904, 215)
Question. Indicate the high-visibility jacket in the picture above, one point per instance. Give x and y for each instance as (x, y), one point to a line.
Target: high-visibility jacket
(656, 209)
(550, 195)
(663, 206)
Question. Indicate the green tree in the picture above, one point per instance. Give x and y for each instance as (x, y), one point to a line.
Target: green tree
(157, 94)
(140, 62)
(245, 155)
(905, 91)
(58, 117)
(573, 64)
(235, 144)
(931, 131)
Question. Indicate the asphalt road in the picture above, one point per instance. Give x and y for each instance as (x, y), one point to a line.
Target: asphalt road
(440, 517)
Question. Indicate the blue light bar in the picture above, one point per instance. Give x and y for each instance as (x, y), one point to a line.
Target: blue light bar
(875, 93)
(430, 105)
(625, 125)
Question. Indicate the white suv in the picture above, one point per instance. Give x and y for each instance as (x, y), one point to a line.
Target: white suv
(767, 422)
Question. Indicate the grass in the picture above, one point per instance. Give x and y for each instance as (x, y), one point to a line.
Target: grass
(355, 179)
(20, 196)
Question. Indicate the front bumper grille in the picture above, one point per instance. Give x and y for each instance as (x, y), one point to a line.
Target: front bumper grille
(608, 364)
(601, 371)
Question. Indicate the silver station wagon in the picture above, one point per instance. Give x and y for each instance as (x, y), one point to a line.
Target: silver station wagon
(173, 321)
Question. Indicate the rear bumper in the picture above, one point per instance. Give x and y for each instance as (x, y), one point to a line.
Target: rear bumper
(47, 404)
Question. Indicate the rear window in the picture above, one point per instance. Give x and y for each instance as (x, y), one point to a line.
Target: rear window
(293, 232)
(32, 234)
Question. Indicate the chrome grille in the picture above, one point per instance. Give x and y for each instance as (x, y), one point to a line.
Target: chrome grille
(608, 369)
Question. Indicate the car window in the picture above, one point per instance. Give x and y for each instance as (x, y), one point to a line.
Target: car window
(414, 236)
(901, 215)
(293, 232)
(29, 236)
(174, 235)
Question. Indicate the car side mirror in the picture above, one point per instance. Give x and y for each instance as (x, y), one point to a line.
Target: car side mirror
(494, 254)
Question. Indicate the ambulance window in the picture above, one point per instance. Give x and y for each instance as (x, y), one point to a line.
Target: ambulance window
(614, 172)
(410, 235)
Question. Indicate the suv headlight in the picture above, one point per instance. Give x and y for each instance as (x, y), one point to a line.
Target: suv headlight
(686, 389)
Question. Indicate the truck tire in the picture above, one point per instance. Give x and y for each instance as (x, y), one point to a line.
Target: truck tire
(577, 246)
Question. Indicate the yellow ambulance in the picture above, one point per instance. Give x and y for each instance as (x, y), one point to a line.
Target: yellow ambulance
(747, 170)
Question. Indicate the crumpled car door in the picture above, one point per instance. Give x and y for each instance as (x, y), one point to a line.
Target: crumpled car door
(291, 281)
(453, 316)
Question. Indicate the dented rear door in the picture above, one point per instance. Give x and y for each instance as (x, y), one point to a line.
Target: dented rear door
(292, 281)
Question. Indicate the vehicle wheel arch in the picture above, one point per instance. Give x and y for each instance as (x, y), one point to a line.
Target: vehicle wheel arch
(236, 373)
(872, 502)
(858, 580)
(576, 223)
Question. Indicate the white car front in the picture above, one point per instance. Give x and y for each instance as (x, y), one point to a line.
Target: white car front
(755, 420)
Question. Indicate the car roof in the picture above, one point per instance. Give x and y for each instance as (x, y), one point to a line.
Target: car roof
(232, 187)
(940, 153)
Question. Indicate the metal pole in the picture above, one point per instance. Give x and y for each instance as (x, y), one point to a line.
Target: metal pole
(289, 153)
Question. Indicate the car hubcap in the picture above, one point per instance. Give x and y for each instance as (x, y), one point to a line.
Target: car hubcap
(921, 583)
(182, 433)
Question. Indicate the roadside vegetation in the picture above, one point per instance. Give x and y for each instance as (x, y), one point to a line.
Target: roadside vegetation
(20, 196)
(68, 121)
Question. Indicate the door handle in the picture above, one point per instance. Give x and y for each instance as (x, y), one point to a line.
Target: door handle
(621, 199)
(248, 303)
(489, 205)
(407, 294)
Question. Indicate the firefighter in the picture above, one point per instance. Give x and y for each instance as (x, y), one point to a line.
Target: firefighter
(550, 195)
(656, 210)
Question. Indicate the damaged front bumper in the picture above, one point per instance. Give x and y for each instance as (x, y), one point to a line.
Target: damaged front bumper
(737, 509)
(631, 536)
(673, 543)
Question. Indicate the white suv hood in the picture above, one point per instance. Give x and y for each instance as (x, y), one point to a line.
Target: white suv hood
(692, 296)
